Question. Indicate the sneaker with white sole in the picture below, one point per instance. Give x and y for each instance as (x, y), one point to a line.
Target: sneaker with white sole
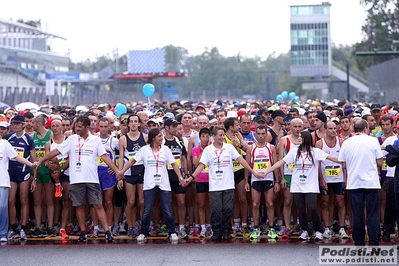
(3, 239)
(318, 236)
(22, 234)
(304, 236)
(122, 229)
(182, 233)
(343, 234)
(203, 233)
(327, 233)
(174, 237)
(141, 238)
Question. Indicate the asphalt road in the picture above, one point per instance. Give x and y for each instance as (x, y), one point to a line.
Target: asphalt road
(160, 253)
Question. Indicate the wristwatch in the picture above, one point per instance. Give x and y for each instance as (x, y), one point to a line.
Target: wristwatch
(181, 179)
(35, 178)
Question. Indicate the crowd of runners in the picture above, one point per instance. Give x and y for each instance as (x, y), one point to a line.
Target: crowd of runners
(209, 169)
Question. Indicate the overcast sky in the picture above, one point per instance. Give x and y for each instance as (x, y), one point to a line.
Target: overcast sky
(251, 27)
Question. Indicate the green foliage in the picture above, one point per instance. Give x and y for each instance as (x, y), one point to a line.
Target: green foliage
(380, 31)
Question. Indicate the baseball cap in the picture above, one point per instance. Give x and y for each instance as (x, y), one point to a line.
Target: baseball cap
(153, 120)
(375, 107)
(278, 113)
(169, 116)
(231, 114)
(57, 108)
(200, 106)
(170, 122)
(259, 119)
(335, 119)
(18, 119)
(241, 112)
(4, 123)
(348, 111)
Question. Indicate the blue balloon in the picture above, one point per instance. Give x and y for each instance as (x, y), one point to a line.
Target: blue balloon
(292, 95)
(148, 89)
(120, 109)
(284, 94)
(296, 99)
(279, 98)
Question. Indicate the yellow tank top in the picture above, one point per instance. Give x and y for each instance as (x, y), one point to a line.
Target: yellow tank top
(236, 165)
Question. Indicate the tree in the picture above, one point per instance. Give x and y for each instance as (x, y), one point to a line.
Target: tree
(380, 31)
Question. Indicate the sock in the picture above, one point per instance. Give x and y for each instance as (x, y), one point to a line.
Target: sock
(95, 227)
(181, 226)
(203, 227)
(58, 184)
(237, 222)
(62, 228)
(244, 224)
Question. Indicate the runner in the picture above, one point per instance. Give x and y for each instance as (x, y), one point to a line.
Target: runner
(305, 181)
(332, 179)
(261, 156)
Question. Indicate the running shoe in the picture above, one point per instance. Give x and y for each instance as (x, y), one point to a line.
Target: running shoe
(63, 234)
(196, 230)
(327, 233)
(281, 231)
(58, 191)
(37, 232)
(3, 239)
(83, 236)
(164, 230)
(132, 232)
(318, 236)
(174, 237)
(227, 236)
(115, 230)
(108, 236)
(50, 231)
(182, 233)
(95, 233)
(236, 231)
(255, 233)
(12, 234)
(155, 230)
(203, 233)
(272, 233)
(263, 229)
(209, 231)
(22, 234)
(245, 231)
(343, 234)
(141, 238)
(304, 236)
(286, 234)
(122, 229)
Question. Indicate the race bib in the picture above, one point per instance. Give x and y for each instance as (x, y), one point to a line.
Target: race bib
(261, 164)
(333, 172)
(206, 169)
(100, 161)
(177, 161)
(384, 165)
(40, 154)
(291, 166)
(302, 179)
(219, 174)
(62, 163)
(157, 178)
(131, 155)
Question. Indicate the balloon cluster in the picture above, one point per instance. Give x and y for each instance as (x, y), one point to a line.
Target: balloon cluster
(285, 95)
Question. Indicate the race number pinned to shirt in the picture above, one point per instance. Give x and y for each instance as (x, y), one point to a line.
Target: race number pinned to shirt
(177, 161)
(261, 164)
(384, 165)
(78, 167)
(332, 171)
(157, 179)
(219, 174)
(302, 179)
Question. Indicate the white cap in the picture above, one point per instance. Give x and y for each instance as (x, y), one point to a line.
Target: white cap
(231, 114)
(155, 121)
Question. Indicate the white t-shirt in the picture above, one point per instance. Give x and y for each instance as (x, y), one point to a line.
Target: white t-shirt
(389, 141)
(220, 162)
(89, 150)
(360, 153)
(7, 152)
(305, 177)
(156, 172)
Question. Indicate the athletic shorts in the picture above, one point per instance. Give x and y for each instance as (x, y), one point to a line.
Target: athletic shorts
(239, 176)
(43, 179)
(177, 189)
(64, 178)
(107, 180)
(337, 188)
(17, 176)
(262, 186)
(288, 180)
(135, 179)
(201, 187)
(78, 193)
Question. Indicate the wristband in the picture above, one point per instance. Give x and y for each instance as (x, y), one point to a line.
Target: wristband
(192, 176)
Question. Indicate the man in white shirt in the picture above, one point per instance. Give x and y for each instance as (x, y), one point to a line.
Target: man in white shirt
(362, 155)
(83, 149)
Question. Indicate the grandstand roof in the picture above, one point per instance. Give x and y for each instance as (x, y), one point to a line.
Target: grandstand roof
(33, 29)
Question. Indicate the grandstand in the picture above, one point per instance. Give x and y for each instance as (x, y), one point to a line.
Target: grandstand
(25, 59)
